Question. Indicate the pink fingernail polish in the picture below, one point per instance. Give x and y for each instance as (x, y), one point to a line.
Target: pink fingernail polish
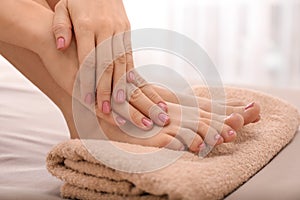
(106, 107)
(147, 122)
(120, 120)
(182, 148)
(120, 96)
(60, 43)
(163, 118)
(249, 106)
(131, 76)
(88, 99)
(163, 106)
(231, 133)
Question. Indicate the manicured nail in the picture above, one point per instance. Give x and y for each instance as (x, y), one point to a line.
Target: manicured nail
(60, 43)
(217, 137)
(106, 107)
(231, 133)
(147, 122)
(249, 106)
(120, 96)
(163, 118)
(163, 106)
(88, 99)
(120, 120)
(131, 76)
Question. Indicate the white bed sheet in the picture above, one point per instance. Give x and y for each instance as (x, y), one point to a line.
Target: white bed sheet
(30, 125)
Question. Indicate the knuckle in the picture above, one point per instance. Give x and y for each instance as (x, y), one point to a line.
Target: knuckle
(84, 24)
(136, 116)
(103, 92)
(135, 96)
(60, 27)
(121, 59)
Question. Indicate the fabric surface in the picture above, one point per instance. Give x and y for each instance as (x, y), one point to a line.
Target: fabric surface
(190, 177)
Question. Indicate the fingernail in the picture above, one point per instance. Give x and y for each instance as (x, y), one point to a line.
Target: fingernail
(249, 106)
(60, 43)
(163, 106)
(163, 118)
(106, 107)
(217, 137)
(147, 122)
(131, 76)
(120, 96)
(88, 99)
(231, 133)
(120, 120)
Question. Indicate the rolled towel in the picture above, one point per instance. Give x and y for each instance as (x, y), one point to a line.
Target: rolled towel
(189, 177)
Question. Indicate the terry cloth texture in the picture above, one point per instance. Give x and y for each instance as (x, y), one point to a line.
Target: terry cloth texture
(190, 177)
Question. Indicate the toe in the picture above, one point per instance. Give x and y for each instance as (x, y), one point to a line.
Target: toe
(190, 138)
(227, 132)
(251, 113)
(235, 121)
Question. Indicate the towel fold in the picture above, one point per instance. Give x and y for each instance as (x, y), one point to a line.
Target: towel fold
(189, 177)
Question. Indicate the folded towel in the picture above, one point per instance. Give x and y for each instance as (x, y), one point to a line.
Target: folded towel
(190, 177)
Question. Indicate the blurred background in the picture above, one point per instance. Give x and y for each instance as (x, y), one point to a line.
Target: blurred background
(255, 43)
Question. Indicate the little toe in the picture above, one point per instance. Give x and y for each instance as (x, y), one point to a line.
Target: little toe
(251, 113)
(227, 132)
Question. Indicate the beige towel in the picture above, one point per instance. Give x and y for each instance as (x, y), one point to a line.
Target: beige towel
(190, 177)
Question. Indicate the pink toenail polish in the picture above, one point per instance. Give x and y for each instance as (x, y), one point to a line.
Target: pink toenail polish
(217, 137)
(163, 118)
(131, 76)
(249, 106)
(120, 120)
(120, 96)
(147, 122)
(231, 133)
(60, 43)
(182, 148)
(202, 146)
(163, 106)
(88, 99)
(106, 107)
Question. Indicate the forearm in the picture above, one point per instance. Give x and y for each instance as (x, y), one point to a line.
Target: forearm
(26, 24)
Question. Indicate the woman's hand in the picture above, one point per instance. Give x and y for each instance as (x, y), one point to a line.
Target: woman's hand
(111, 64)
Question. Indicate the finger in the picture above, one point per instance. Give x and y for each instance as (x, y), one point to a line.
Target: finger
(129, 58)
(111, 118)
(62, 26)
(129, 113)
(142, 103)
(105, 69)
(119, 72)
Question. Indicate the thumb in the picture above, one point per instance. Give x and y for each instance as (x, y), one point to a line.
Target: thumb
(62, 26)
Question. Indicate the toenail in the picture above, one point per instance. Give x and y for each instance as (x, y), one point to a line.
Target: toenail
(147, 122)
(249, 106)
(163, 106)
(217, 137)
(120, 120)
(182, 148)
(163, 118)
(231, 133)
(202, 146)
(106, 107)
